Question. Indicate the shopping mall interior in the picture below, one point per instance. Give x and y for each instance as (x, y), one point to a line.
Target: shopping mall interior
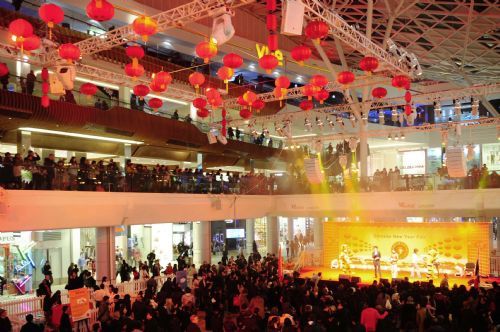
(273, 165)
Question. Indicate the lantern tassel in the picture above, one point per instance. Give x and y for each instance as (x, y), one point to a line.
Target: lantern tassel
(135, 62)
(227, 85)
(98, 3)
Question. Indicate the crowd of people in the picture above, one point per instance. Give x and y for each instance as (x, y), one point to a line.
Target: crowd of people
(251, 294)
(84, 174)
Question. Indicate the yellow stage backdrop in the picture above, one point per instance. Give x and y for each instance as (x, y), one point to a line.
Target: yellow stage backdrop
(456, 243)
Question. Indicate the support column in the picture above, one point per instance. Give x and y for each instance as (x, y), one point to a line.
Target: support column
(318, 233)
(124, 96)
(272, 237)
(127, 155)
(363, 151)
(199, 160)
(249, 234)
(105, 253)
(202, 238)
(290, 229)
(23, 142)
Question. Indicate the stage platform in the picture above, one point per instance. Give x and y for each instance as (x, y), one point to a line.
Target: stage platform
(367, 276)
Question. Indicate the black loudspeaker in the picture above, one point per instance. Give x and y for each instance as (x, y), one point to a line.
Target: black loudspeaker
(344, 277)
(355, 280)
(66, 25)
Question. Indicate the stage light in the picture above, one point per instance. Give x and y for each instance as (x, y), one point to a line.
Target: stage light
(396, 137)
(381, 117)
(403, 136)
(437, 109)
(389, 137)
(457, 108)
(222, 26)
(70, 134)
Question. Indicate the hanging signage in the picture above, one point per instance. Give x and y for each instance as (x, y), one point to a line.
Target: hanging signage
(79, 301)
(264, 50)
(411, 162)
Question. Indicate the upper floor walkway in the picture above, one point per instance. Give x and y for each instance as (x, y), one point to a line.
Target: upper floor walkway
(41, 209)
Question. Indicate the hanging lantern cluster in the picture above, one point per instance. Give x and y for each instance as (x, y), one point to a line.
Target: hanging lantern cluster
(22, 35)
(282, 83)
(69, 52)
(249, 97)
(213, 97)
(88, 89)
(196, 79)
(368, 64)
(206, 50)
(245, 113)
(258, 105)
(160, 81)
(316, 30)
(100, 10)
(309, 91)
(306, 105)
(345, 77)
(272, 25)
(45, 101)
(155, 104)
(322, 95)
(301, 54)
(379, 92)
(223, 123)
(4, 70)
(145, 26)
(318, 80)
(201, 105)
(134, 69)
(141, 91)
(51, 14)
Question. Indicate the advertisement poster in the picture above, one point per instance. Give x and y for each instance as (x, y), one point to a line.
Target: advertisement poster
(455, 243)
(491, 156)
(434, 156)
(79, 301)
(411, 162)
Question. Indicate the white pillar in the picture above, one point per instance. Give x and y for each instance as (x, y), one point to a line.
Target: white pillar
(272, 240)
(290, 229)
(318, 233)
(202, 239)
(76, 247)
(363, 151)
(23, 142)
(250, 234)
(199, 160)
(105, 253)
(127, 155)
(124, 96)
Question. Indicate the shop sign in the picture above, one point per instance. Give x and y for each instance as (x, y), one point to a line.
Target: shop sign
(264, 50)
(8, 237)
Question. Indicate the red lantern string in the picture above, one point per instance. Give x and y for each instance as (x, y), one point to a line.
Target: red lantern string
(45, 88)
(272, 25)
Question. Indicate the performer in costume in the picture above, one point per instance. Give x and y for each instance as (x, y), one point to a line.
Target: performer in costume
(415, 260)
(345, 259)
(394, 263)
(376, 262)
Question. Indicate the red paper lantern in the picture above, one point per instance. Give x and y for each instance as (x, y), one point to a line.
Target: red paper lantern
(199, 102)
(368, 64)
(100, 10)
(30, 43)
(202, 113)
(141, 90)
(345, 77)
(249, 97)
(271, 22)
(155, 104)
(206, 50)
(45, 101)
(135, 53)
(241, 102)
(408, 96)
(309, 91)
(301, 53)
(278, 93)
(69, 52)
(45, 88)
(258, 105)
(322, 95)
(20, 28)
(271, 5)
(162, 78)
(268, 62)
(232, 60)
(379, 92)
(134, 72)
(217, 102)
(212, 95)
(225, 74)
(45, 74)
(408, 109)
(272, 42)
(318, 80)
(196, 79)
(306, 105)
(316, 30)
(51, 14)
(282, 82)
(88, 89)
(400, 81)
(245, 113)
(156, 87)
(145, 26)
(4, 70)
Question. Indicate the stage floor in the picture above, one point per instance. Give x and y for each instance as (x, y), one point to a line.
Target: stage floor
(367, 276)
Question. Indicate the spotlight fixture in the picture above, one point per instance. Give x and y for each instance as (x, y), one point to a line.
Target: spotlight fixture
(381, 117)
(474, 106)
(403, 136)
(437, 109)
(389, 137)
(457, 108)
